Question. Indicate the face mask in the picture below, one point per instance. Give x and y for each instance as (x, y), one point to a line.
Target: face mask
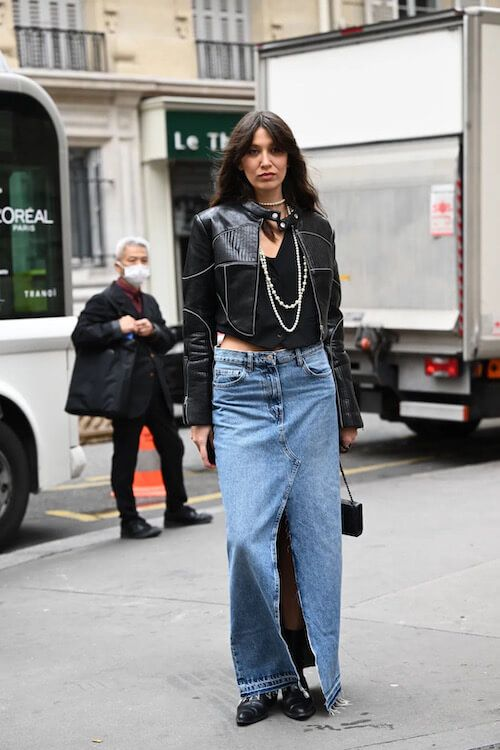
(136, 274)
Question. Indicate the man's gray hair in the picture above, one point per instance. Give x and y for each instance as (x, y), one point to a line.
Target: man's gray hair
(126, 241)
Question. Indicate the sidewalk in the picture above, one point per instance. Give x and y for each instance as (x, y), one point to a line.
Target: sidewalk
(124, 645)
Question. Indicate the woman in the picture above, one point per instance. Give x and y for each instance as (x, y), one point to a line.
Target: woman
(261, 270)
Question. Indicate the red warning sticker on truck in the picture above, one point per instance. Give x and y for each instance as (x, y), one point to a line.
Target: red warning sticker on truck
(442, 214)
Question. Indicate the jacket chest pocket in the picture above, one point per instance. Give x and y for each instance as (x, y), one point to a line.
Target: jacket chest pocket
(236, 285)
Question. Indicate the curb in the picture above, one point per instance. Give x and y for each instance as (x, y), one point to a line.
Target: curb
(72, 543)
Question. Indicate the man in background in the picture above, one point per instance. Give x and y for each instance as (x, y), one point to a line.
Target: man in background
(123, 313)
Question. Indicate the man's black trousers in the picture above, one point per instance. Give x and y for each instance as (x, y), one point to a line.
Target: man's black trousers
(126, 434)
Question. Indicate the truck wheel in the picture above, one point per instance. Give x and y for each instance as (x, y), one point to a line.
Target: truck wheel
(14, 484)
(437, 428)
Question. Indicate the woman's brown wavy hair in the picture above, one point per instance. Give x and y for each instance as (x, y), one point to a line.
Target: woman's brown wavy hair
(232, 186)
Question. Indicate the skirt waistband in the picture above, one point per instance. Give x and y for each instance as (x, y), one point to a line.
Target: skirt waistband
(249, 360)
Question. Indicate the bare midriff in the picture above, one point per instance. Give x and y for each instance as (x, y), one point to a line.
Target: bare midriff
(237, 345)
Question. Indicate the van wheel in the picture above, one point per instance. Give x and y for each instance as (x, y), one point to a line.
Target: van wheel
(438, 428)
(14, 484)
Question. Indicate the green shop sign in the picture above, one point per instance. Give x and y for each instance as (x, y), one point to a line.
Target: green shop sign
(198, 135)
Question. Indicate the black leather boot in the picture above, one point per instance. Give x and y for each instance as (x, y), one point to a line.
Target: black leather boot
(254, 708)
(299, 648)
(297, 703)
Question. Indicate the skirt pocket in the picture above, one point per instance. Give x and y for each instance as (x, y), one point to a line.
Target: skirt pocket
(225, 377)
(317, 364)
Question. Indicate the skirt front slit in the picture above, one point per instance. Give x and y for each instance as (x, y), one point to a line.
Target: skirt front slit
(276, 444)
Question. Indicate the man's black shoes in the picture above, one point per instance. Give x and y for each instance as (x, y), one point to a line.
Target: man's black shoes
(186, 515)
(138, 528)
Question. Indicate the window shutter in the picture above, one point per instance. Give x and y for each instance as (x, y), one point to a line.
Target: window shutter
(377, 11)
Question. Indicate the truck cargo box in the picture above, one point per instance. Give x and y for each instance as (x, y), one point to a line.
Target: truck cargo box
(399, 124)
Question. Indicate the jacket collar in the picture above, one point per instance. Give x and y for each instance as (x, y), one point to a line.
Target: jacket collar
(260, 212)
(125, 304)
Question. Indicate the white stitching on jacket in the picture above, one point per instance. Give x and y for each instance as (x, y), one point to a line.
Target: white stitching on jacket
(186, 309)
(236, 263)
(339, 323)
(315, 234)
(228, 319)
(185, 278)
(337, 394)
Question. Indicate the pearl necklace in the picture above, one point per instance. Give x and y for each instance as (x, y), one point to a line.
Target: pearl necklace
(276, 203)
(301, 285)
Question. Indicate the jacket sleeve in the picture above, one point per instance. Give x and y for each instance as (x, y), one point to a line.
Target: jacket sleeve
(95, 327)
(163, 338)
(349, 414)
(200, 333)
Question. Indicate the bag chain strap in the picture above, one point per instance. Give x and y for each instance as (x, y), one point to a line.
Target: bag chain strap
(347, 486)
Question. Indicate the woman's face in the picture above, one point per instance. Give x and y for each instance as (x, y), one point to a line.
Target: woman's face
(264, 165)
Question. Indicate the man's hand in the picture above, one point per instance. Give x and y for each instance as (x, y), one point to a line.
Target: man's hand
(127, 324)
(143, 327)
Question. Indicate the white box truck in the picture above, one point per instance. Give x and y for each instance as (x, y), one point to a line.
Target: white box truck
(400, 124)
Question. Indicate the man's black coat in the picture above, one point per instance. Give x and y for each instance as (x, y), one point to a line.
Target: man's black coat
(98, 328)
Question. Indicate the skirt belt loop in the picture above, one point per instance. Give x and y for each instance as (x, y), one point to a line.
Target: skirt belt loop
(299, 357)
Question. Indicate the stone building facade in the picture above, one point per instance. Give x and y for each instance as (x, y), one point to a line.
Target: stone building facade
(133, 82)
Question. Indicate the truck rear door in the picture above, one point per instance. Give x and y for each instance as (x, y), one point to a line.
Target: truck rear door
(396, 210)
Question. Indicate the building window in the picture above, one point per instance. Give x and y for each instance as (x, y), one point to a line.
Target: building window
(222, 31)
(49, 14)
(409, 8)
(49, 34)
(377, 11)
(86, 206)
(221, 20)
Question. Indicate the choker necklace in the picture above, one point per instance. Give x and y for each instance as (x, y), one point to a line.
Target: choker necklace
(276, 203)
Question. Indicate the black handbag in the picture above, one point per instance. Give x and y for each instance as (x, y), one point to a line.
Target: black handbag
(352, 513)
(101, 379)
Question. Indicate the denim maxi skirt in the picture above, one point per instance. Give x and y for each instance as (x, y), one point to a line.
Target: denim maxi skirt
(277, 450)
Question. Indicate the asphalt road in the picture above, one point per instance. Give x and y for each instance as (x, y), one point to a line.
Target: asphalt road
(383, 450)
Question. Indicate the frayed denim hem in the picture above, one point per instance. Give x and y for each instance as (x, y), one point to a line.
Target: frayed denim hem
(336, 702)
(332, 696)
(267, 685)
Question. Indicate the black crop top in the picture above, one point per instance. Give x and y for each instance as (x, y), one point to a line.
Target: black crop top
(283, 272)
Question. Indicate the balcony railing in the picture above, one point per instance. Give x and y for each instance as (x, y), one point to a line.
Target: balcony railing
(229, 60)
(64, 49)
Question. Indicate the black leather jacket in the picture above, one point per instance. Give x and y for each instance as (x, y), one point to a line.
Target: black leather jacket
(220, 287)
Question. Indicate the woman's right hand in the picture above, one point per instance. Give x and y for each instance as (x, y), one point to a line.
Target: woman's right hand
(199, 435)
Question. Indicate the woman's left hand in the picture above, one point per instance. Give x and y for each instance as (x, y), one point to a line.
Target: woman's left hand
(347, 437)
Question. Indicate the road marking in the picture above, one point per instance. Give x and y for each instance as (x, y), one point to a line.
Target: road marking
(83, 517)
(387, 465)
(99, 516)
(91, 482)
(97, 481)
(102, 515)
